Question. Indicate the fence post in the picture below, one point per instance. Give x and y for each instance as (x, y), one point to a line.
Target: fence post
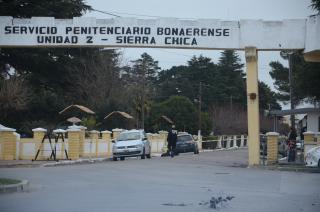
(115, 133)
(242, 141)
(106, 135)
(272, 147)
(9, 143)
(199, 141)
(219, 145)
(73, 143)
(235, 141)
(38, 135)
(94, 136)
(228, 142)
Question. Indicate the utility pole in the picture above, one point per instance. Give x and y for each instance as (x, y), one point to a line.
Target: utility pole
(143, 93)
(289, 55)
(292, 106)
(199, 109)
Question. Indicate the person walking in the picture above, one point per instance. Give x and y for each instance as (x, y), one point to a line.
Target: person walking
(172, 141)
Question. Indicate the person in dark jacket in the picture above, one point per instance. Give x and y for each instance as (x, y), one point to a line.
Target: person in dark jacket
(292, 136)
(172, 141)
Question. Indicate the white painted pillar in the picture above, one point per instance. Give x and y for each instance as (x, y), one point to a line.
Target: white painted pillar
(242, 141)
(235, 141)
(228, 142)
(219, 143)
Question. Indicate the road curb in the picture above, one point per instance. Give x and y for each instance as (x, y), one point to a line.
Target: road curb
(79, 161)
(294, 169)
(18, 187)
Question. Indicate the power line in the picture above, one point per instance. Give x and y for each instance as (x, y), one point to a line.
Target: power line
(104, 12)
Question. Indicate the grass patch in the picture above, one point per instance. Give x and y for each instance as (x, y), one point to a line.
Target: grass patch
(7, 181)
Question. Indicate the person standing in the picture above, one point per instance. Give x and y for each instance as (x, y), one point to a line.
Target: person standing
(172, 141)
(292, 136)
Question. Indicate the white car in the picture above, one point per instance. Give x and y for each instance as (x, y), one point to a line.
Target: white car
(313, 157)
(131, 143)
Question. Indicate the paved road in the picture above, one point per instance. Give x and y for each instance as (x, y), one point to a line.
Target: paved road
(184, 183)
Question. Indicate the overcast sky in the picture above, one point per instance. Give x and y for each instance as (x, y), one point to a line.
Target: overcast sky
(213, 9)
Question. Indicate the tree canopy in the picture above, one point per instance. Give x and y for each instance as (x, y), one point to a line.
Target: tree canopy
(306, 80)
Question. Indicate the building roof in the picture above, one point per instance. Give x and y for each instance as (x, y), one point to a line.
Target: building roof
(80, 107)
(294, 111)
(123, 114)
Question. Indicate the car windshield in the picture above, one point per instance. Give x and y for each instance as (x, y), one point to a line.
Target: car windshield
(129, 136)
(184, 138)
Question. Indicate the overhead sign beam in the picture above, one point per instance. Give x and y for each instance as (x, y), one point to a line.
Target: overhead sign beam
(159, 33)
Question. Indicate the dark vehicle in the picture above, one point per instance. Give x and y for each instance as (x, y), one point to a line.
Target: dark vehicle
(185, 143)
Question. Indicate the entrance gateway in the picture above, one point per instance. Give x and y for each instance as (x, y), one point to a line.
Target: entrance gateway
(248, 35)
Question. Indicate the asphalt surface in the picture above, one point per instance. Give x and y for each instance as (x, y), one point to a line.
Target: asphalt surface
(184, 183)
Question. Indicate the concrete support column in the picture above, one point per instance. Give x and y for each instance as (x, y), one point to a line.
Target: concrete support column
(228, 142)
(115, 133)
(309, 141)
(9, 143)
(106, 136)
(235, 141)
(242, 141)
(253, 105)
(94, 136)
(73, 143)
(163, 136)
(219, 143)
(272, 147)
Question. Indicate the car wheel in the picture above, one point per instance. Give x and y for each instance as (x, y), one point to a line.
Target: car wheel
(121, 158)
(114, 158)
(143, 156)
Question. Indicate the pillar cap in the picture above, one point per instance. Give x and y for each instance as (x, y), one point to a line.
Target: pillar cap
(59, 131)
(7, 129)
(106, 131)
(163, 132)
(73, 130)
(83, 127)
(39, 129)
(272, 134)
(77, 127)
(309, 133)
(94, 132)
(117, 130)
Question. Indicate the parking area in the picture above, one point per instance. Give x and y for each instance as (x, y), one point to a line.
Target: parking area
(184, 183)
